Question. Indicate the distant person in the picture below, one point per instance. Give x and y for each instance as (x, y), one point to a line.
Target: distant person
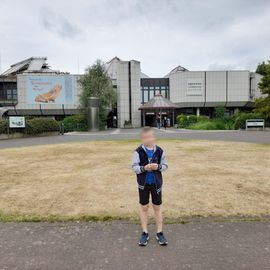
(158, 121)
(168, 122)
(165, 122)
(148, 163)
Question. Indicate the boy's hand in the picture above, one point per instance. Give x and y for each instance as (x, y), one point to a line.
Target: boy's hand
(154, 166)
(148, 167)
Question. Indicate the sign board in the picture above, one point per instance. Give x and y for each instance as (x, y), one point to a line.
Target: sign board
(255, 123)
(17, 122)
(44, 89)
(194, 87)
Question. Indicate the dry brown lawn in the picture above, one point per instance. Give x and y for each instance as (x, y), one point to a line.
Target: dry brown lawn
(94, 178)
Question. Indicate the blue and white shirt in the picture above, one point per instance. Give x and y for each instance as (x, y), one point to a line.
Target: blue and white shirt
(150, 175)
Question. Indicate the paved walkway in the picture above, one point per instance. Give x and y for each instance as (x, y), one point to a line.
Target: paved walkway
(196, 246)
(122, 134)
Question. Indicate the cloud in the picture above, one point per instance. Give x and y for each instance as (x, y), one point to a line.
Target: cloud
(58, 24)
(199, 35)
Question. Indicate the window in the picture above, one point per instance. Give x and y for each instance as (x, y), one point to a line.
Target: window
(145, 96)
(9, 94)
(14, 94)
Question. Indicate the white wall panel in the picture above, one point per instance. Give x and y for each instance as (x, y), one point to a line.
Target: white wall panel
(238, 86)
(215, 86)
(178, 86)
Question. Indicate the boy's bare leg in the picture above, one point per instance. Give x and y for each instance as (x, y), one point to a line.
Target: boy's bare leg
(158, 217)
(144, 217)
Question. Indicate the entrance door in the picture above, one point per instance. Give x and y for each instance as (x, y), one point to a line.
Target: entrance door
(150, 120)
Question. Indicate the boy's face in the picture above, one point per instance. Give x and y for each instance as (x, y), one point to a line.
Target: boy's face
(148, 138)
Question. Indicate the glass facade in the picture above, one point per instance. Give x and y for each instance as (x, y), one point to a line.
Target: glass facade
(8, 92)
(153, 86)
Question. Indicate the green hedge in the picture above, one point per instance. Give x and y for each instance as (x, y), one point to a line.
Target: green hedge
(45, 124)
(33, 126)
(184, 121)
(202, 118)
(210, 125)
(40, 125)
(237, 121)
(75, 123)
(3, 126)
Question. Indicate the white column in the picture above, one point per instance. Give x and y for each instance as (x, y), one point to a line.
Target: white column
(198, 112)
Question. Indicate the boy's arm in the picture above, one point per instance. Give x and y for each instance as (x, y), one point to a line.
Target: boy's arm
(136, 163)
(163, 166)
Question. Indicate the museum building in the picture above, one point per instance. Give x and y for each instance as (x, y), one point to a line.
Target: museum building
(31, 87)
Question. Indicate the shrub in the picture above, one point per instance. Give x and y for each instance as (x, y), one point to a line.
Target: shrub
(209, 125)
(192, 119)
(240, 119)
(3, 126)
(75, 123)
(40, 125)
(202, 118)
(182, 121)
(204, 123)
(229, 121)
(219, 112)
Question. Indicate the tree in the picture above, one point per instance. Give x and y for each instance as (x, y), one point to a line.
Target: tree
(95, 82)
(262, 68)
(262, 105)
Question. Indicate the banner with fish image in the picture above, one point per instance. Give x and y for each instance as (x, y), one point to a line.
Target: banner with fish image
(44, 89)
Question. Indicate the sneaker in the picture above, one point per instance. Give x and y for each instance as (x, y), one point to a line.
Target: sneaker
(144, 239)
(161, 239)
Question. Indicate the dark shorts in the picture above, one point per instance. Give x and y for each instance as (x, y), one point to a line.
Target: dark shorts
(144, 195)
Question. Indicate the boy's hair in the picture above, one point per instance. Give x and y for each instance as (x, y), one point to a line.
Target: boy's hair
(146, 129)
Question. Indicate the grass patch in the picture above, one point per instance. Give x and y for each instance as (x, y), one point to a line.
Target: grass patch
(17, 217)
(92, 181)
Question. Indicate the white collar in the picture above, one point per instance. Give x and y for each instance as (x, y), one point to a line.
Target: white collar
(154, 147)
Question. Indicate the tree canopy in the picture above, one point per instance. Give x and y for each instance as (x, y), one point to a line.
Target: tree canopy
(262, 68)
(96, 82)
(262, 105)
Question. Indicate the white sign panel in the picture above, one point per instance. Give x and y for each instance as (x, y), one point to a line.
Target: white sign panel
(255, 124)
(17, 122)
(194, 87)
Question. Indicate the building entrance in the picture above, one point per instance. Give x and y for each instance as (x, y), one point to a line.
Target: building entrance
(150, 120)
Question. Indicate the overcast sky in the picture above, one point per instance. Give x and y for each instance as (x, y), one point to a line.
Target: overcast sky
(199, 35)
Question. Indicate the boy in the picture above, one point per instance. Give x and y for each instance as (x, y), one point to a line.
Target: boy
(148, 163)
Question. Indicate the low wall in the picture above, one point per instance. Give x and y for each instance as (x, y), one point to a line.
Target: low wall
(22, 135)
